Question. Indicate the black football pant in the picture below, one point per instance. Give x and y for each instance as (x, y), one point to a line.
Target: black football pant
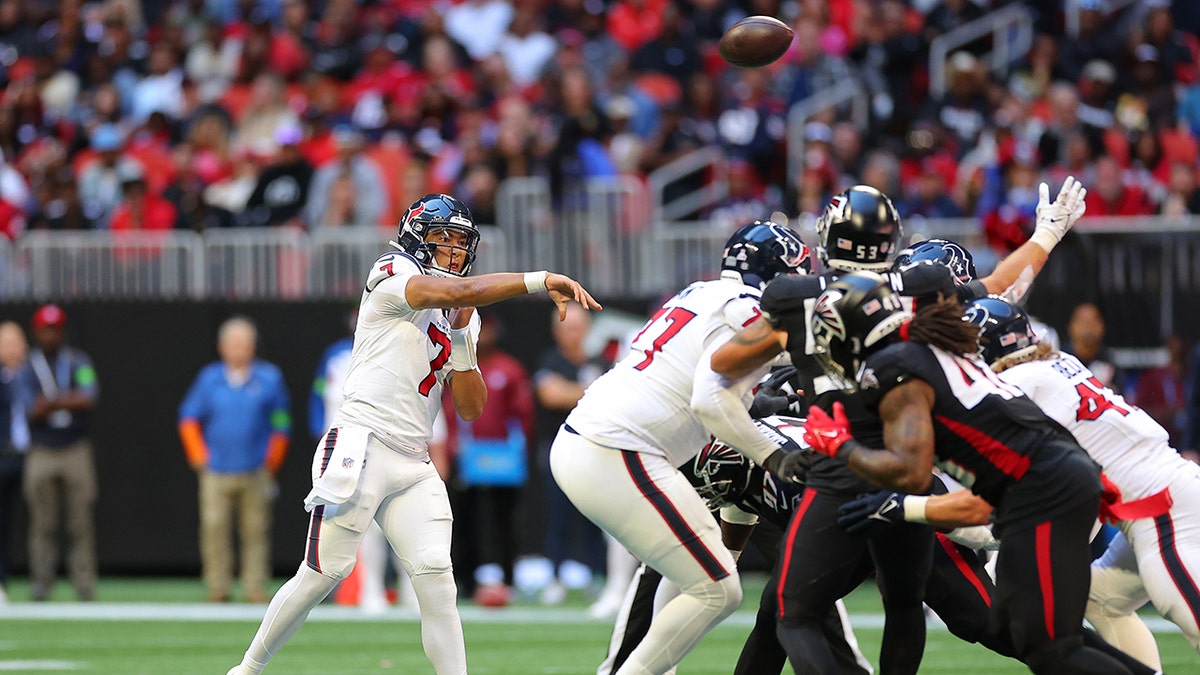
(820, 562)
(762, 654)
(1042, 579)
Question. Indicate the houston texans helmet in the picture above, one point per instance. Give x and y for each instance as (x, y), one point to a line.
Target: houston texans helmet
(1004, 328)
(720, 474)
(761, 251)
(942, 251)
(855, 316)
(858, 230)
(432, 213)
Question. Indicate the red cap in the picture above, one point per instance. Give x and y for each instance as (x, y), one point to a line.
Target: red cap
(49, 315)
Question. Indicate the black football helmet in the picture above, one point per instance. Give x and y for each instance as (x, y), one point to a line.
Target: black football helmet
(858, 230)
(720, 474)
(1004, 328)
(943, 252)
(761, 251)
(855, 316)
(432, 213)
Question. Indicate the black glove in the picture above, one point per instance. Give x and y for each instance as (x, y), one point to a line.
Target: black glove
(789, 465)
(771, 399)
(870, 511)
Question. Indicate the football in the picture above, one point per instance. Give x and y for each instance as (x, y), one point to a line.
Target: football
(755, 41)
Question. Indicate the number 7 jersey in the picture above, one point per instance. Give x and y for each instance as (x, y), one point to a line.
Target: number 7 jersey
(399, 361)
(644, 402)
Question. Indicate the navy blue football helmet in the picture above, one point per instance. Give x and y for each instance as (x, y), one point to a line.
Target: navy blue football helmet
(943, 252)
(854, 317)
(858, 230)
(432, 213)
(1004, 328)
(761, 251)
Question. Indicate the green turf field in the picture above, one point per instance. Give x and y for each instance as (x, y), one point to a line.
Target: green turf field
(144, 627)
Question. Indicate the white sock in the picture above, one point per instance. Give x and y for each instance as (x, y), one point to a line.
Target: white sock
(680, 625)
(441, 629)
(286, 613)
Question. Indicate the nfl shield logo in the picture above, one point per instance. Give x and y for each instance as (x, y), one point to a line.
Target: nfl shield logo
(347, 462)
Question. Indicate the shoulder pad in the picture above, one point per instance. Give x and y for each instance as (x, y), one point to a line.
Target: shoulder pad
(389, 265)
(783, 299)
(888, 368)
(923, 282)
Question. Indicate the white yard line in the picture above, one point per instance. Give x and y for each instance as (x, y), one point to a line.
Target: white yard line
(118, 611)
(25, 666)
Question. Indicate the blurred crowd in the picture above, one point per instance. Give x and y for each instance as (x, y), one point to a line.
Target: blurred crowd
(323, 113)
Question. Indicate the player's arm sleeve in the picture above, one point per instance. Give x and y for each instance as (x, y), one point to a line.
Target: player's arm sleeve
(721, 404)
(281, 425)
(978, 538)
(191, 412)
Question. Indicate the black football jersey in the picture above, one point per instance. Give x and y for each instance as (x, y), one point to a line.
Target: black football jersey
(770, 498)
(987, 434)
(788, 301)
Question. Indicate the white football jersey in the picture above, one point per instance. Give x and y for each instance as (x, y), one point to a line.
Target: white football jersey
(644, 402)
(400, 360)
(1132, 449)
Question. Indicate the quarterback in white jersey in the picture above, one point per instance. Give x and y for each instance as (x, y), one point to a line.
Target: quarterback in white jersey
(407, 346)
(616, 457)
(1151, 493)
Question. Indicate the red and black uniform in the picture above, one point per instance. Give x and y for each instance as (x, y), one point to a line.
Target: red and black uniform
(819, 561)
(1044, 487)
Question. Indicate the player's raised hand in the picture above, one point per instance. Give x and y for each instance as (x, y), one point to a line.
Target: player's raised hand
(1054, 218)
(563, 289)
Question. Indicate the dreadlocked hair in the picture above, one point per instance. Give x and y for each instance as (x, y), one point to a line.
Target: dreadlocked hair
(1042, 351)
(941, 325)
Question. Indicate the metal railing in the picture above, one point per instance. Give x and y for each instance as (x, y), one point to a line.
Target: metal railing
(604, 238)
(1072, 9)
(849, 91)
(711, 161)
(1011, 29)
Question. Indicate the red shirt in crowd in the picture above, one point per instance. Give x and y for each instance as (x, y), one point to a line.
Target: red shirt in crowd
(1131, 201)
(155, 213)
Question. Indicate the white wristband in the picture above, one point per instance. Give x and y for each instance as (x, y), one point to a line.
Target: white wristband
(1045, 238)
(914, 509)
(535, 282)
(462, 349)
(735, 553)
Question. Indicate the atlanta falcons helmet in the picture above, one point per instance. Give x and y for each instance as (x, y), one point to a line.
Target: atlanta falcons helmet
(761, 251)
(431, 213)
(943, 252)
(1004, 328)
(855, 316)
(858, 230)
(720, 474)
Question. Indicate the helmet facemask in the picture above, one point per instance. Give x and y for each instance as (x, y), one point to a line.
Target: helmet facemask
(430, 225)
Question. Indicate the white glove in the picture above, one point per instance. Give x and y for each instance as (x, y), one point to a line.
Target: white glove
(1055, 218)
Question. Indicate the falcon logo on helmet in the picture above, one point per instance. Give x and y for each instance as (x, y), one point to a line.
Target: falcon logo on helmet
(720, 474)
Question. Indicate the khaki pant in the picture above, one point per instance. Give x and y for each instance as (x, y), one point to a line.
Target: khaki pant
(53, 476)
(248, 497)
